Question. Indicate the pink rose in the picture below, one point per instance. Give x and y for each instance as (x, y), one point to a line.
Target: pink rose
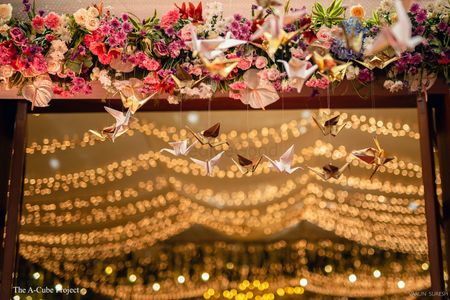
(261, 62)
(273, 74)
(238, 86)
(52, 21)
(298, 53)
(324, 37)
(170, 18)
(245, 63)
(195, 70)
(38, 24)
(186, 32)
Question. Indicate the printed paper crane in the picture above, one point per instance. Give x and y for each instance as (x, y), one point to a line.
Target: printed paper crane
(179, 148)
(380, 61)
(209, 164)
(398, 36)
(329, 125)
(208, 136)
(329, 171)
(246, 165)
(373, 156)
(285, 162)
(120, 127)
(298, 72)
(220, 65)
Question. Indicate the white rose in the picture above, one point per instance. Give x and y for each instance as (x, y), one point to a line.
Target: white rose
(92, 12)
(5, 13)
(53, 66)
(80, 16)
(92, 24)
(4, 29)
(59, 46)
(6, 71)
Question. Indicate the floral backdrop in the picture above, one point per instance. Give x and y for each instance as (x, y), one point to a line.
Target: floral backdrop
(63, 54)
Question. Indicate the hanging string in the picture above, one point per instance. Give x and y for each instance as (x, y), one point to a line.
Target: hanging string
(246, 120)
(372, 99)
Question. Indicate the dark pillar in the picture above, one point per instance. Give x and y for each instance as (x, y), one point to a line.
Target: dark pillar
(442, 124)
(13, 116)
(432, 209)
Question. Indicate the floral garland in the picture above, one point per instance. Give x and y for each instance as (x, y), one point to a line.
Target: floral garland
(63, 54)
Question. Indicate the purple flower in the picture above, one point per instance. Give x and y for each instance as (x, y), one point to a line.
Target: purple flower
(41, 12)
(234, 25)
(18, 36)
(26, 6)
(160, 48)
(442, 26)
(125, 17)
(170, 31)
(237, 17)
(105, 29)
(414, 8)
(419, 30)
(365, 75)
(400, 65)
(415, 59)
(115, 23)
(126, 26)
(421, 16)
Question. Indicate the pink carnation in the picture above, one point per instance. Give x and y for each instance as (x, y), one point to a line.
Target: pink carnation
(151, 64)
(52, 21)
(324, 37)
(238, 86)
(236, 96)
(245, 63)
(170, 18)
(321, 83)
(186, 32)
(38, 23)
(261, 62)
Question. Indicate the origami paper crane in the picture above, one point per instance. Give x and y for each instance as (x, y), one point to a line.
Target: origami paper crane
(130, 95)
(329, 67)
(373, 156)
(285, 162)
(298, 72)
(378, 61)
(246, 165)
(329, 171)
(209, 165)
(179, 148)
(258, 93)
(220, 66)
(329, 125)
(208, 136)
(212, 48)
(39, 92)
(273, 32)
(117, 129)
(398, 36)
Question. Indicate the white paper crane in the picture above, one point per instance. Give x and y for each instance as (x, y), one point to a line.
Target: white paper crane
(398, 36)
(285, 162)
(212, 48)
(208, 165)
(179, 148)
(122, 121)
(298, 72)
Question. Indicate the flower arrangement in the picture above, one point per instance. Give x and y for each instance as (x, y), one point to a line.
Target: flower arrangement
(72, 51)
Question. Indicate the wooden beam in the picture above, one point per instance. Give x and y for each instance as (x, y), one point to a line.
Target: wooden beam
(432, 209)
(14, 198)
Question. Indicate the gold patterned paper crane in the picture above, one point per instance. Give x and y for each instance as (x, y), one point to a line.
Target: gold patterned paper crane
(220, 65)
(246, 165)
(329, 124)
(208, 136)
(373, 156)
(329, 171)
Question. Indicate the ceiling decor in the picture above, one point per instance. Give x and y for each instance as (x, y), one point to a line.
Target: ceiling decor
(184, 54)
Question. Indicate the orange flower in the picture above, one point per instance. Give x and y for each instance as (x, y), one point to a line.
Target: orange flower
(357, 11)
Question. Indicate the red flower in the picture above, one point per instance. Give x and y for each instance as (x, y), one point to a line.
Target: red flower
(98, 48)
(256, 23)
(309, 36)
(190, 11)
(114, 53)
(104, 59)
(444, 60)
(38, 23)
(52, 21)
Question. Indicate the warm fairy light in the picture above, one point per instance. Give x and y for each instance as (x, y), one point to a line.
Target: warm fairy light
(83, 291)
(303, 282)
(205, 276)
(328, 268)
(156, 287)
(401, 284)
(376, 273)
(132, 278)
(425, 266)
(352, 278)
(181, 279)
(58, 287)
(108, 270)
(36, 275)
